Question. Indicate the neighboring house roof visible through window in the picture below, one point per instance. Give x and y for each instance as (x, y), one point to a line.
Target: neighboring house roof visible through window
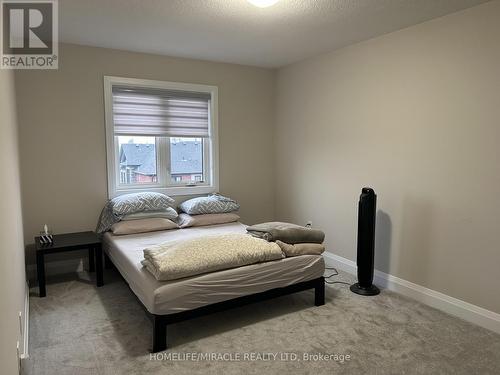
(139, 155)
(186, 157)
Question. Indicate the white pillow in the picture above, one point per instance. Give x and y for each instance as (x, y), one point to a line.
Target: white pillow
(185, 220)
(142, 226)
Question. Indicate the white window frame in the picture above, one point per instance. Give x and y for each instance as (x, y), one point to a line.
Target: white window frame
(164, 184)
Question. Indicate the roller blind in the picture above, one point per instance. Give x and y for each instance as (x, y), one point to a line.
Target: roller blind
(160, 112)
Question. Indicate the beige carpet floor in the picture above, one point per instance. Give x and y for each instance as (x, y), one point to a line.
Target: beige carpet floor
(80, 329)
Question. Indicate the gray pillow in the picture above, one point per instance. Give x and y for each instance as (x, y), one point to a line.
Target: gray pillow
(139, 202)
(168, 213)
(213, 204)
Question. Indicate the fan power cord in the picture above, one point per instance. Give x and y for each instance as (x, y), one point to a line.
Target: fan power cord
(335, 273)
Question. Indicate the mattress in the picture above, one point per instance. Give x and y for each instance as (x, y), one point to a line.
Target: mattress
(169, 297)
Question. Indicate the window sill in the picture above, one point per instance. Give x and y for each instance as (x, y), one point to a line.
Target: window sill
(170, 191)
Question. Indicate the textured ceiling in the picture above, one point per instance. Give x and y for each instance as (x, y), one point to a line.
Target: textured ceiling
(236, 31)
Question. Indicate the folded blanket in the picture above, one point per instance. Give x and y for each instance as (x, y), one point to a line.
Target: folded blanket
(301, 248)
(178, 259)
(286, 232)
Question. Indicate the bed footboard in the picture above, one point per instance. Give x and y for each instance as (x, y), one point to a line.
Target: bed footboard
(160, 322)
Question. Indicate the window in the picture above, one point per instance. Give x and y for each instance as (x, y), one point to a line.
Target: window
(137, 160)
(160, 136)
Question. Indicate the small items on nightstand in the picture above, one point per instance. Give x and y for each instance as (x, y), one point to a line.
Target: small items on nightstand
(46, 237)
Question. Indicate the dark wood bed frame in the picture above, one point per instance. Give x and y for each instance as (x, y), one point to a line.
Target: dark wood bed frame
(160, 322)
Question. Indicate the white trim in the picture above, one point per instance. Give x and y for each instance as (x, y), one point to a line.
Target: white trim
(214, 140)
(26, 326)
(173, 191)
(110, 139)
(453, 306)
(163, 185)
(339, 262)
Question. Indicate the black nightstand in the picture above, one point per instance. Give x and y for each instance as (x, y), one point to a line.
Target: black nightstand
(69, 242)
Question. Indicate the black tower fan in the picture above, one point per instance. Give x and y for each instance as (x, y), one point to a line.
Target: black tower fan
(366, 244)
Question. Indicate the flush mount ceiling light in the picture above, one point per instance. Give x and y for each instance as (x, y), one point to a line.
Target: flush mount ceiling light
(263, 3)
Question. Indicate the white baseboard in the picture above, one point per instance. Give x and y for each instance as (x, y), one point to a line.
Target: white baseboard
(340, 263)
(453, 306)
(26, 324)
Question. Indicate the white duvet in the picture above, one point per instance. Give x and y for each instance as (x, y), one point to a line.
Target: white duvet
(177, 259)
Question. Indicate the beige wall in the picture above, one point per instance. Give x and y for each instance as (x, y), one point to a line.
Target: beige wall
(12, 275)
(61, 119)
(416, 115)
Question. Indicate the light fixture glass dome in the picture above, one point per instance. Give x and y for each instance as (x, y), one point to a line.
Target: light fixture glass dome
(263, 3)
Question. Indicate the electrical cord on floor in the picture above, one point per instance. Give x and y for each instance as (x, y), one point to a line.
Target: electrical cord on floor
(335, 273)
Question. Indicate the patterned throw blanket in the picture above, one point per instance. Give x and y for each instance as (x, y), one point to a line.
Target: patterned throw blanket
(175, 260)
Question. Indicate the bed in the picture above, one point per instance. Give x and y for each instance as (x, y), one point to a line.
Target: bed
(173, 301)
